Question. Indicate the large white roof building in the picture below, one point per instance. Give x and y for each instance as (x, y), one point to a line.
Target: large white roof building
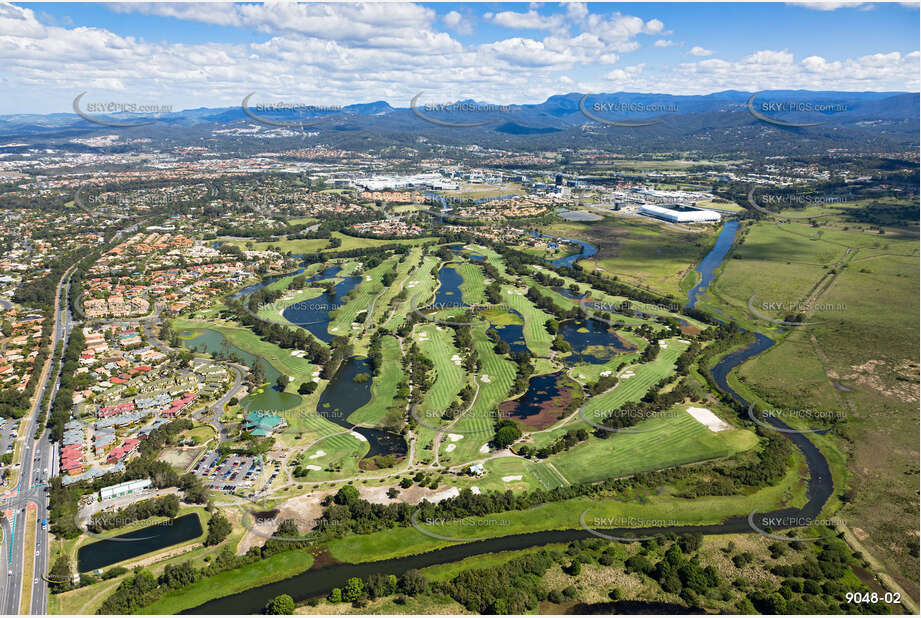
(685, 215)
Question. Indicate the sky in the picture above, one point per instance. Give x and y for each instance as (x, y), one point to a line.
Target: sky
(187, 55)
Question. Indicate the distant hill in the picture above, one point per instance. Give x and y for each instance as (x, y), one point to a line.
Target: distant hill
(716, 122)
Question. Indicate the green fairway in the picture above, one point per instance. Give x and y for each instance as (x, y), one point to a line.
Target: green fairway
(417, 288)
(245, 339)
(629, 388)
(473, 286)
(383, 387)
(672, 440)
(495, 379)
(350, 313)
(536, 334)
(437, 344)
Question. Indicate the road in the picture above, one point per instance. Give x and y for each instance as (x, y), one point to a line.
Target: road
(37, 457)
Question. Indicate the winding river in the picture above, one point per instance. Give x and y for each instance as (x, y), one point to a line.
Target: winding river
(319, 581)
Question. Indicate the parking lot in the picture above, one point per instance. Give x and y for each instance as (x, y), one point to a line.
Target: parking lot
(234, 473)
(8, 429)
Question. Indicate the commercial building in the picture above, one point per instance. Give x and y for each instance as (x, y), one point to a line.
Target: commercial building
(124, 489)
(261, 424)
(680, 214)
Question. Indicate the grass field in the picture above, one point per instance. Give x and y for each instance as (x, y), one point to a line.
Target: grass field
(776, 264)
(28, 564)
(868, 345)
(641, 252)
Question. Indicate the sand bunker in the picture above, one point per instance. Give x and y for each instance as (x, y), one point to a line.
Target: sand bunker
(313, 467)
(454, 437)
(358, 436)
(484, 378)
(708, 418)
(317, 454)
(484, 449)
(511, 477)
(450, 448)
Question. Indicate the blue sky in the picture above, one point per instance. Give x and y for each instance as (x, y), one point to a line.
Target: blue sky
(191, 55)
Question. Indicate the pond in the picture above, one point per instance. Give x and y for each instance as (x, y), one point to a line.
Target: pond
(592, 341)
(544, 403)
(588, 250)
(216, 344)
(101, 554)
(313, 314)
(343, 396)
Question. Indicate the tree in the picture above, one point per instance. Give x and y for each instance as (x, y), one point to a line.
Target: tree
(353, 589)
(282, 382)
(60, 576)
(348, 495)
(306, 388)
(506, 434)
(218, 529)
(413, 582)
(335, 595)
(282, 605)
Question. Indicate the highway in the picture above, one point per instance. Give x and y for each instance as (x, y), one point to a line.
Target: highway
(37, 458)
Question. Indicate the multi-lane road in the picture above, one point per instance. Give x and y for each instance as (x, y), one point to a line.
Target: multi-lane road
(29, 498)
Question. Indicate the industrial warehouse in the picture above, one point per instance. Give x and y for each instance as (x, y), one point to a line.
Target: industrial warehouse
(677, 213)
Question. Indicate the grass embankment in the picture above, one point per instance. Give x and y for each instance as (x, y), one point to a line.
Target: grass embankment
(28, 561)
(274, 568)
(562, 515)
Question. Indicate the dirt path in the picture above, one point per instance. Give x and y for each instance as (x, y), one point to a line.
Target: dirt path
(86, 606)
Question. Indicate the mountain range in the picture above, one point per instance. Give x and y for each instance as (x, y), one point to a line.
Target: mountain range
(721, 121)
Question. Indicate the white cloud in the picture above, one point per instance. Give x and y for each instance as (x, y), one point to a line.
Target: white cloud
(831, 5)
(700, 51)
(340, 54)
(457, 22)
(532, 20)
(576, 11)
